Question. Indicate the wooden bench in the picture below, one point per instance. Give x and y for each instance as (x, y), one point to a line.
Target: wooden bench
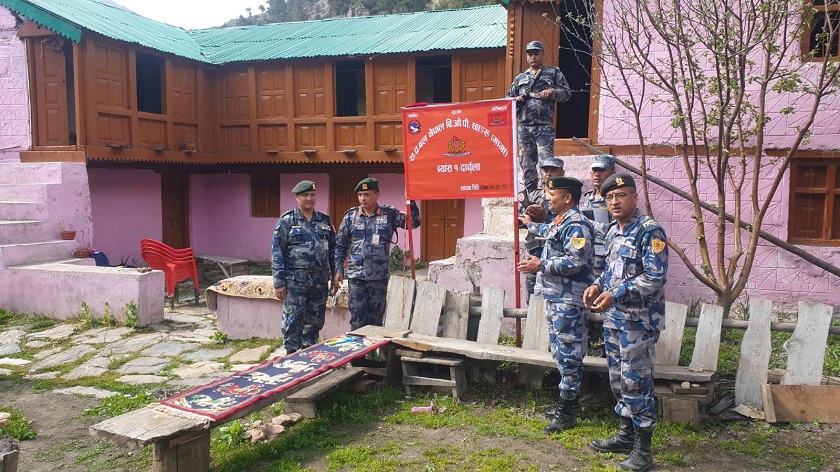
(228, 265)
(305, 401)
(426, 316)
(181, 441)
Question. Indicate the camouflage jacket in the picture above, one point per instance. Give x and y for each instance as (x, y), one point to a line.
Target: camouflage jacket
(302, 251)
(366, 240)
(635, 273)
(595, 208)
(534, 244)
(567, 257)
(534, 111)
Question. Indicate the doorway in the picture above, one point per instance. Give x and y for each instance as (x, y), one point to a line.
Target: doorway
(54, 113)
(175, 198)
(443, 225)
(575, 63)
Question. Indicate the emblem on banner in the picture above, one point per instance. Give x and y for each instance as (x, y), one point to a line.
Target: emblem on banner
(658, 245)
(414, 127)
(457, 146)
(578, 243)
(496, 119)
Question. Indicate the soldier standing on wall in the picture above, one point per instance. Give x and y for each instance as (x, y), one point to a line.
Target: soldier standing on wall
(536, 91)
(364, 237)
(631, 293)
(302, 265)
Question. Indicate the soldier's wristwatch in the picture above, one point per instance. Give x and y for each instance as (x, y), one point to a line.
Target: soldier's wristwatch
(541, 267)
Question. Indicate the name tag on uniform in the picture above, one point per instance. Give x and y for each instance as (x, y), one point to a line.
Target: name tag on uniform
(375, 239)
(382, 219)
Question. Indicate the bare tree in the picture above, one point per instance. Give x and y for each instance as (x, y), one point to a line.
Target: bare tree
(714, 64)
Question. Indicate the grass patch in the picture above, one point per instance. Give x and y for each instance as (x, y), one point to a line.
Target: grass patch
(34, 322)
(19, 428)
(118, 404)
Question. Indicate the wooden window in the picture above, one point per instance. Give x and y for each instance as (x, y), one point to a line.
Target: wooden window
(350, 88)
(265, 195)
(815, 203)
(433, 79)
(150, 83)
(822, 34)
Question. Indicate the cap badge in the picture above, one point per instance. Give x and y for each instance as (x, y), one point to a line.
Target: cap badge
(364, 186)
(619, 181)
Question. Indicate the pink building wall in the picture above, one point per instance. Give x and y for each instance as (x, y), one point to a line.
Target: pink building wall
(126, 207)
(14, 91)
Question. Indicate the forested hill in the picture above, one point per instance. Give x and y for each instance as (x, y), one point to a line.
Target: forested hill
(279, 11)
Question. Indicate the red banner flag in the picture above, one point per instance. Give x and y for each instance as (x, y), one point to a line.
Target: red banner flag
(459, 150)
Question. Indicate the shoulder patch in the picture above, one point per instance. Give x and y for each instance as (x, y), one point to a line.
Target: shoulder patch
(657, 245)
(578, 243)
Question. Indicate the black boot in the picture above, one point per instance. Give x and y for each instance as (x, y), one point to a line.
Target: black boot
(640, 458)
(576, 409)
(565, 416)
(621, 441)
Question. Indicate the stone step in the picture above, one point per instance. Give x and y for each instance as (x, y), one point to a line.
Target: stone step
(23, 192)
(21, 210)
(30, 173)
(24, 231)
(36, 253)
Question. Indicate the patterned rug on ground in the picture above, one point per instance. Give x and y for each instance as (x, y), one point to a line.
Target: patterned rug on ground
(226, 396)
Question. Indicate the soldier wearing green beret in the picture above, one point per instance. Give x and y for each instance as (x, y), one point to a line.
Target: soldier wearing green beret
(364, 239)
(302, 266)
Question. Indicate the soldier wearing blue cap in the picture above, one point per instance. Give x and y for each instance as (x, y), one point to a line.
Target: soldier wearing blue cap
(302, 266)
(564, 270)
(536, 91)
(364, 238)
(631, 293)
(539, 211)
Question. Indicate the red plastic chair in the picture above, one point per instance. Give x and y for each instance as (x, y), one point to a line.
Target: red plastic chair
(177, 265)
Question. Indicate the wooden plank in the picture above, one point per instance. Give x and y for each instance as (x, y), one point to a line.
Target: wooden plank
(409, 353)
(190, 456)
(678, 410)
(492, 312)
(427, 381)
(535, 336)
(670, 339)
(327, 383)
(755, 355)
(456, 314)
(139, 428)
(435, 360)
(806, 347)
(804, 403)
(474, 350)
(769, 408)
(428, 307)
(707, 341)
(399, 304)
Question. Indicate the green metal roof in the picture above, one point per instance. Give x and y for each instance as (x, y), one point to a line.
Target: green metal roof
(68, 17)
(469, 28)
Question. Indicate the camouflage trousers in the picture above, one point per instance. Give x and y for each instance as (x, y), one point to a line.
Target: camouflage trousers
(567, 334)
(630, 359)
(303, 315)
(366, 301)
(535, 144)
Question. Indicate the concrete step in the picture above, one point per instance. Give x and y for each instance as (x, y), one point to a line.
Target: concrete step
(21, 210)
(30, 173)
(23, 192)
(36, 253)
(24, 231)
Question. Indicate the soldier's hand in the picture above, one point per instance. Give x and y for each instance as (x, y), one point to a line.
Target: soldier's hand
(545, 94)
(336, 283)
(520, 98)
(530, 265)
(525, 219)
(280, 293)
(604, 301)
(590, 294)
(536, 212)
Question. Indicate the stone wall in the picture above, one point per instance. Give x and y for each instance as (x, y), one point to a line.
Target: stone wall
(14, 96)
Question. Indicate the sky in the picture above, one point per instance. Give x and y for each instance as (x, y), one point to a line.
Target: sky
(192, 14)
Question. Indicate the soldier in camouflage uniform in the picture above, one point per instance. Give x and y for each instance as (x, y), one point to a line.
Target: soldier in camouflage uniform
(536, 90)
(365, 236)
(563, 272)
(594, 206)
(538, 209)
(302, 266)
(631, 293)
